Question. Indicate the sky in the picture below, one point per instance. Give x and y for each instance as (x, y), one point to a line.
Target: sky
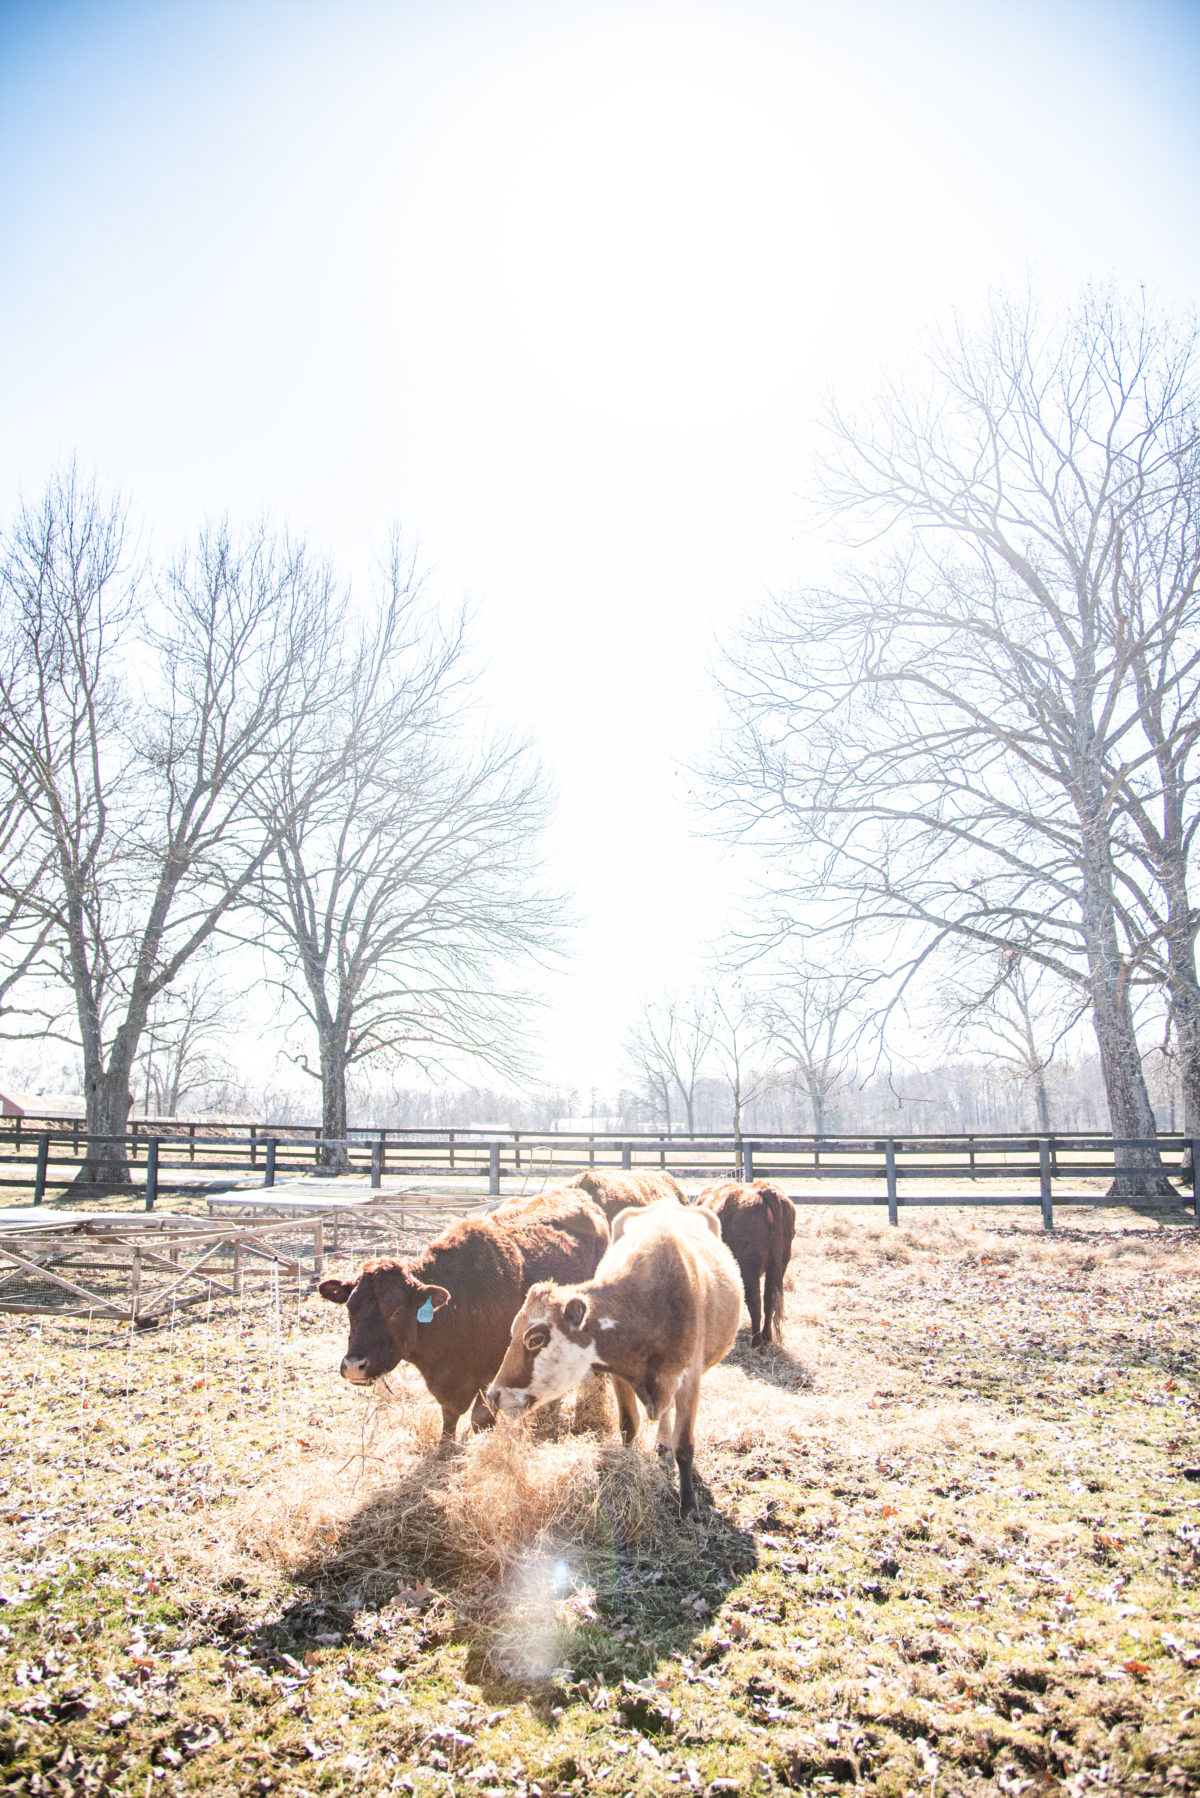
(562, 289)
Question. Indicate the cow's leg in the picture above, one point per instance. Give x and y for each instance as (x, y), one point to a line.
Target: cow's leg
(773, 1303)
(482, 1415)
(450, 1419)
(687, 1398)
(627, 1411)
(750, 1286)
(664, 1442)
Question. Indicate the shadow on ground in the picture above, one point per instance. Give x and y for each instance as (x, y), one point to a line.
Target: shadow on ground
(579, 1579)
(777, 1365)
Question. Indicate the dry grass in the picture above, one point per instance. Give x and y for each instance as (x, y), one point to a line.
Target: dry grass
(949, 1548)
(463, 1520)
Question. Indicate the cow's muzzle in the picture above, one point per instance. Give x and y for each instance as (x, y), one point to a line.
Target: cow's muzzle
(508, 1400)
(354, 1369)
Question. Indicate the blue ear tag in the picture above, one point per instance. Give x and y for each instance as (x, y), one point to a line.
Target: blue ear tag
(425, 1314)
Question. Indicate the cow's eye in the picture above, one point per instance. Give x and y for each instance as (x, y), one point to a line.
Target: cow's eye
(536, 1338)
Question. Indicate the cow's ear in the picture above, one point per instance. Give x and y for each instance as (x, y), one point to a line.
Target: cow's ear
(437, 1296)
(574, 1312)
(336, 1291)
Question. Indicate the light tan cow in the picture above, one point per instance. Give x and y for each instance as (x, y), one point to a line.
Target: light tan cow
(662, 1307)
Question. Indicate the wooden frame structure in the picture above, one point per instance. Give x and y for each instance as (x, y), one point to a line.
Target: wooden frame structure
(143, 1266)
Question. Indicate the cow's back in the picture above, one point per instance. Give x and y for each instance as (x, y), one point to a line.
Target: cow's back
(565, 1208)
(614, 1192)
(679, 1275)
(549, 1251)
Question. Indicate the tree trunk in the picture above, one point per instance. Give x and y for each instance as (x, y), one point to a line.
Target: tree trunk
(331, 1151)
(1184, 991)
(1139, 1171)
(109, 1102)
(1185, 1017)
(1042, 1100)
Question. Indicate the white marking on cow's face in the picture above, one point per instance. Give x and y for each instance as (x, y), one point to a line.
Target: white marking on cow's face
(607, 1323)
(561, 1365)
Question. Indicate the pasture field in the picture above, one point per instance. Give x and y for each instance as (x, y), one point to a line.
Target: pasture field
(950, 1544)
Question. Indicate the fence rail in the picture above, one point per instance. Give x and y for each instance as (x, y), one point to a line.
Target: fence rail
(45, 1154)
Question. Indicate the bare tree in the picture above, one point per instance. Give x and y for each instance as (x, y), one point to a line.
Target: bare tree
(178, 1057)
(944, 739)
(138, 719)
(816, 1021)
(1022, 1016)
(1157, 585)
(743, 1045)
(669, 1047)
(403, 891)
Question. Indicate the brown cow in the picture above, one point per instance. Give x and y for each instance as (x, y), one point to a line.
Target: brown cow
(662, 1307)
(757, 1222)
(449, 1309)
(613, 1192)
(566, 1207)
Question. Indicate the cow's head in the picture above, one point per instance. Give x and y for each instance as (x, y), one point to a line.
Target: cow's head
(553, 1346)
(388, 1306)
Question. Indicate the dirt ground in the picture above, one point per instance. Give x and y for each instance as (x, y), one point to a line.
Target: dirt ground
(950, 1544)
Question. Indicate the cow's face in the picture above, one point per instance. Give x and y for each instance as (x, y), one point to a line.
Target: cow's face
(388, 1305)
(551, 1350)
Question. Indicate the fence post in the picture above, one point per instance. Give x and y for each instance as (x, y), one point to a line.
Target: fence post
(747, 1162)
(971, 1141)
(269, 1175)
(1044, 1177)
(253, 1145)
(191, 1142)
(39, 1178)
(591, 1151)
(493, 1170)
(889, 1154)
(151, 1172)
(626, 1155)
(376, 1164)
(516, 1151)
(451, 1151)
(1196, 1178)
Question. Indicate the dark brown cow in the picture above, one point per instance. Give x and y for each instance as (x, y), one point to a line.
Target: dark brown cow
(663, 1307)
(613, 1192)
(757, 1222)
(449, 1310)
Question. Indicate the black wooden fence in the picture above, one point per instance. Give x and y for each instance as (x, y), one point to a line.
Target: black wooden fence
(895, 1172)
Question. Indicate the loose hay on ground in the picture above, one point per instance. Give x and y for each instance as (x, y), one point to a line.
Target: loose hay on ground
(464, 1520)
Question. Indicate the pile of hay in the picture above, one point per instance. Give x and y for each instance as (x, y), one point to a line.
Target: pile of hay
(470, 1521)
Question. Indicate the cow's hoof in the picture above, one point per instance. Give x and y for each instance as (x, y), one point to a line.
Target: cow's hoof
(665, 1450)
